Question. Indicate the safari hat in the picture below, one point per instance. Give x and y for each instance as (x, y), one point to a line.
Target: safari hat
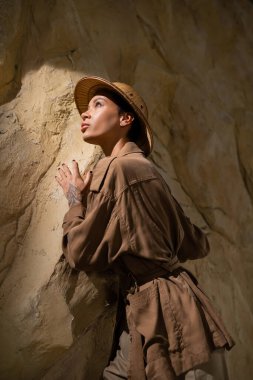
(87, 87)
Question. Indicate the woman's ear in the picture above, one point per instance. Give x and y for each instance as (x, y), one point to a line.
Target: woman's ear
(126, 118)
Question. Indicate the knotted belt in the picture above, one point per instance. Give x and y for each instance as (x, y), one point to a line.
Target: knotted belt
(132, 283)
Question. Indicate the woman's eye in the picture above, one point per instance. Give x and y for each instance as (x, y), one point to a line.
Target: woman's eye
(98, 103)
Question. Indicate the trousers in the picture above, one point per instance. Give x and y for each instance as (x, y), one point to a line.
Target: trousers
(214, 369)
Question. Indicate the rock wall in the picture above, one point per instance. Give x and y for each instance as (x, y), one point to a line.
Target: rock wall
(193, 63)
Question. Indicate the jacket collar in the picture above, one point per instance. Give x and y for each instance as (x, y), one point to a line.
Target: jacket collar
(101, 168)
(128, 148)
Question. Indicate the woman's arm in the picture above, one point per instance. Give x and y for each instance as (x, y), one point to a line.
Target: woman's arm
(89, 236)
(195, 244)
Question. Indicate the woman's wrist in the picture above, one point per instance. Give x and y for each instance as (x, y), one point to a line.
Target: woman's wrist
(74, 195)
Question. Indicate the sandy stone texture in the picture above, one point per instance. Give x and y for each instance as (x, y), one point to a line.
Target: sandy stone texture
(192, 61)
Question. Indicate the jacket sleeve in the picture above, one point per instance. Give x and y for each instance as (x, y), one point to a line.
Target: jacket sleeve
(89, 236)
(195, 244)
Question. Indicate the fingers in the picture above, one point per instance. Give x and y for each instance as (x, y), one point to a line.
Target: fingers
(66, 170)
(63, 176)
(75, 167)
(88, 178)
(62, 179)
(86, 182)
(59, 180)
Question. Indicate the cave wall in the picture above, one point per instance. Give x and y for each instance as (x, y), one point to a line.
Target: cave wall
(192, 61)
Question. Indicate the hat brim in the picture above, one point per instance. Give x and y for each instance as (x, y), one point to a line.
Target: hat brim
(86, 88)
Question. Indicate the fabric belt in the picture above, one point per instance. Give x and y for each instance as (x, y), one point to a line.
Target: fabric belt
(132, 283)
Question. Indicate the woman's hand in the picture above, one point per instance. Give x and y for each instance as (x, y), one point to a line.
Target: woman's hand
(72, 183)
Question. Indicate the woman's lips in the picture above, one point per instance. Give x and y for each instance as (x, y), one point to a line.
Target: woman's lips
(84, 127)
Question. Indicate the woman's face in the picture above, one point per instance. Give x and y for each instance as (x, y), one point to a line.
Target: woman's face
(101, 122)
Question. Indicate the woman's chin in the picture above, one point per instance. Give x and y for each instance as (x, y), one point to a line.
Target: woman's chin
(90, 139)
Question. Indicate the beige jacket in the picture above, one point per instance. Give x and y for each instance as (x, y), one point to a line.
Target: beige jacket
(132, 224)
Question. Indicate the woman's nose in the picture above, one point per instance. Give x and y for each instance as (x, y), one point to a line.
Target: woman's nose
(85, 115)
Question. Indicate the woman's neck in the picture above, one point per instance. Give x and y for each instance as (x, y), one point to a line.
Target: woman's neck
(114, 150)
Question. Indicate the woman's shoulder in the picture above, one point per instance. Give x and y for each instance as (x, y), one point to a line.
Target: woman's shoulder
(114, 174)
(133, 167)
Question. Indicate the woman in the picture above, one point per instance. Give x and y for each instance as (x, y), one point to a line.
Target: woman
(123, 217)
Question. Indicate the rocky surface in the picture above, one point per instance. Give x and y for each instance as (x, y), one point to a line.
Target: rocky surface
(192, 62)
